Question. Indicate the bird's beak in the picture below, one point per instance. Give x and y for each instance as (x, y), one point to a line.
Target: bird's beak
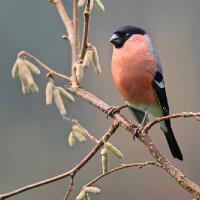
(114, 38)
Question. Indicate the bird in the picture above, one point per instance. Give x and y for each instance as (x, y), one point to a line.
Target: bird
(138, 75)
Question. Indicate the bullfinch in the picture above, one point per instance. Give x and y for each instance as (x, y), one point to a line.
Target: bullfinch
(138, 75)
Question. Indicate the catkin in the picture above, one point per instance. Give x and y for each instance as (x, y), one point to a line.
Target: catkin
(105, 161)
(32, 67)
(26, 76)
(81, 138)
(15, 70)
(114, 150)
(59, 102)
(88, 57)
(25, 87)
(95, 59)
(79, 71)
(71, 139)
(87, 197)
(91, 189)
(81, 195)
(49, 93)
(66, 94)
(99, 5)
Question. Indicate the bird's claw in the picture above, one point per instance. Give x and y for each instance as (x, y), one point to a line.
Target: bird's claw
(114, 109)
(137, 130)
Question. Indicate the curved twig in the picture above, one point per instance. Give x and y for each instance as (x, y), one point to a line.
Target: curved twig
(176, 115)
(123, 166)
(52, 72)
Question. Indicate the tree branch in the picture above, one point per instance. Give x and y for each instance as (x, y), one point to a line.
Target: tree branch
(71, 172)
(144, 139)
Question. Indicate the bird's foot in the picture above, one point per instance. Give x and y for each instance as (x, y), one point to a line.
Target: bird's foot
(138, 130)
(141, 125)
(114, 109)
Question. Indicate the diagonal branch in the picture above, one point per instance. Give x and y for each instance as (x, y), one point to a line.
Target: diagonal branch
(186, 183)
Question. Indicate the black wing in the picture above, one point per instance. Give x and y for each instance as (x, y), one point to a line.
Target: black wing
(158, 84)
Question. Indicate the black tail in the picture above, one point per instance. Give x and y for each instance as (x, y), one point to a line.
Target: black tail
(171, 140)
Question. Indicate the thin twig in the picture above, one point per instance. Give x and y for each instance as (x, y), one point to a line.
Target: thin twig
(176, 115)
(71, 172)
(69, 188)
(68, 26)
(123, 166)
(41, 64)
(76, 27)
(85, 31)
(75, 81)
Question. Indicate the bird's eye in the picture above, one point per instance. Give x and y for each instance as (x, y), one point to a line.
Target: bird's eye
(127, 35)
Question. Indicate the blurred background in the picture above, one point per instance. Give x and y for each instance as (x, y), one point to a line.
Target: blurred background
(33, 136)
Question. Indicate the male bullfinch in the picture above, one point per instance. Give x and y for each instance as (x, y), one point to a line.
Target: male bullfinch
(138, 75)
